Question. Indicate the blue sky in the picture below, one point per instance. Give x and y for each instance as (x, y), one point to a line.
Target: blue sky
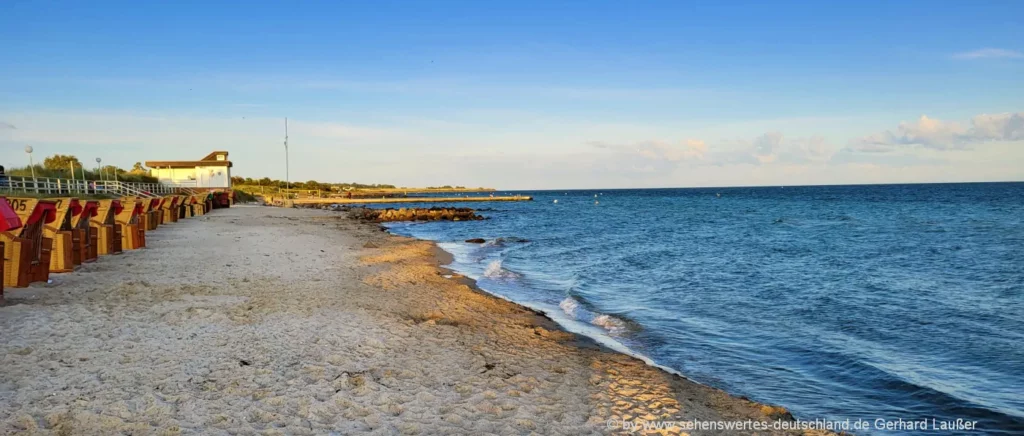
(526, 94)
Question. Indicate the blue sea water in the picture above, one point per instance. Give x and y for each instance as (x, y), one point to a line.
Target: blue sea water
(881, 301)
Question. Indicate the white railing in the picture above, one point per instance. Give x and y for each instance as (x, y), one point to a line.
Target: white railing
(48, 185)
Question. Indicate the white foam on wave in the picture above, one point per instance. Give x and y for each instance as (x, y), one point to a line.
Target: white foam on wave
(614, 325)
(611, 324)
(569, 305)
(495, 271)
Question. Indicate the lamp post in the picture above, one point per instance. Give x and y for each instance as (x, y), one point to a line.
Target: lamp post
(74, 185)
(287, 177)
(32, 167)
(99, 169)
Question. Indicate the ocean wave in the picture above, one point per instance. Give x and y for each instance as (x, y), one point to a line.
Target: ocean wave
(614, 325)
(494, 270)
(569, 305)
(611, 324)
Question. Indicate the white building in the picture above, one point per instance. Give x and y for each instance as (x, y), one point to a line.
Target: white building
(212, 171)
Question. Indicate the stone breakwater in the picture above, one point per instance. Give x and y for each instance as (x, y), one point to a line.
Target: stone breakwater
(415, 214)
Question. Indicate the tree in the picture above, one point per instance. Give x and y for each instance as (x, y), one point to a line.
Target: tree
(61, 162)
(138, 168)
(109, 171)
(235, 180)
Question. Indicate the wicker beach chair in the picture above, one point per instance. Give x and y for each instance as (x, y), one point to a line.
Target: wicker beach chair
(27, 250)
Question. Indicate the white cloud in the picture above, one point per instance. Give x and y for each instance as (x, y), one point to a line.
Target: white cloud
(989, 53)
(806, 150)
(689, 149)
(936, 134)
(998, 127)
(649, 159)
(772, 148)
(766, 147)
(685, 150)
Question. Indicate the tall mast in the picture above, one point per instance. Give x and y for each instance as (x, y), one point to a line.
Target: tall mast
(287, 177)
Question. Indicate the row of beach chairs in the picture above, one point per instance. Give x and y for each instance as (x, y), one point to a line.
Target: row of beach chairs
(56, 235)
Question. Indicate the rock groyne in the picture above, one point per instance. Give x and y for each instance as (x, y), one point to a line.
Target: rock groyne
(415, 214)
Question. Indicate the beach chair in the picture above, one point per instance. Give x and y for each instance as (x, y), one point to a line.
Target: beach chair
(154, 216)
(133, 235)
(150, 217)
(26, 250)
(105, 225)
(140, 214)
(9, 224)
(193, 201)
(198, 205)
(61, 231)
(169, 206)
(156, 211)
(83, 237)
(221, 200)
(185, 206)
(143, 216)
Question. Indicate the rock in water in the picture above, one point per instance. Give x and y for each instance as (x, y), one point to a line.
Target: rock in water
(476, 241)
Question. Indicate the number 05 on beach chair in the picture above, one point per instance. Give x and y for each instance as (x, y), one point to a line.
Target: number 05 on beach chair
(26, 250)
(9, 224)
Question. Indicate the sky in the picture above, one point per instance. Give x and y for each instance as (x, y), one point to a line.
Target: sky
(525, 95)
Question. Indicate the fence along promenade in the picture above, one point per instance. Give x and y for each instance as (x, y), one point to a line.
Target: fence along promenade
(55, 186)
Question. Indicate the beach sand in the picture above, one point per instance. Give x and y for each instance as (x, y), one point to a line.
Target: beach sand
(260, 320)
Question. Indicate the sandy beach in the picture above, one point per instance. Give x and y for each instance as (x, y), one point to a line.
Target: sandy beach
(260, 320)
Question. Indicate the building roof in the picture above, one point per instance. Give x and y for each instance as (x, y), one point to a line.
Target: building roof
(213, 156)
(209, 161)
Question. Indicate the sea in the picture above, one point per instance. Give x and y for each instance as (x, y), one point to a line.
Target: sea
(839, 303)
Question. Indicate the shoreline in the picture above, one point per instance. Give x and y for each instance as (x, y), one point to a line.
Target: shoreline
(445, 258)
(261, 320)
(581, 340)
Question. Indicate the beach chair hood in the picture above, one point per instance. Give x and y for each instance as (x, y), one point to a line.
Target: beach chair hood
(47, 212)
(10, 219)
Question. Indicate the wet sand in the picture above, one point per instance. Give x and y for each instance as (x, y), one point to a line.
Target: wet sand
(260, 320)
